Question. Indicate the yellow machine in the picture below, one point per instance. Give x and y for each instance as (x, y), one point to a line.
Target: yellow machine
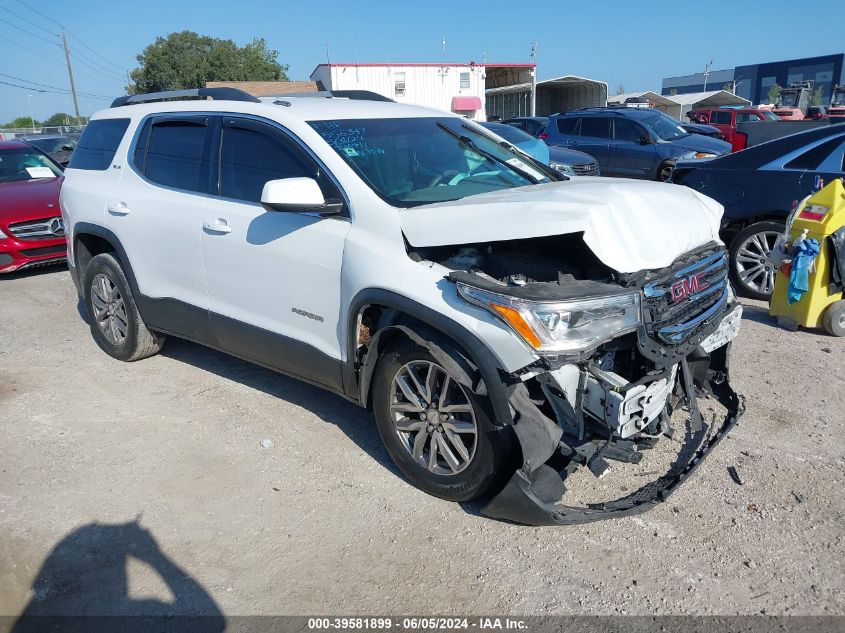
(821, 215)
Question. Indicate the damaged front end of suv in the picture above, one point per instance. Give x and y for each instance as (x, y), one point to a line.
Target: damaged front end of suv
(618, 355)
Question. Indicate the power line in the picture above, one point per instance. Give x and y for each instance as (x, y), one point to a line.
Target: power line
(84, 94)
(58, 92)
(20, 28)
(46, 17)
(32, 50)
(111, 63)
(73, 35)
(83, 56)
(79, 60)
(35, 24)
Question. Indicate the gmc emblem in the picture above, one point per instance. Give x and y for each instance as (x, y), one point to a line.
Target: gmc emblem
(688, 287)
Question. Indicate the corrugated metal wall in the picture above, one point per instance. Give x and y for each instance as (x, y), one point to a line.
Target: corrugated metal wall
(509, 104)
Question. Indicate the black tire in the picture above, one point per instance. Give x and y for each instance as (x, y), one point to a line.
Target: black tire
(834, 318)
(766, 230)
(138, 341)
(665, 171)
(493, 459)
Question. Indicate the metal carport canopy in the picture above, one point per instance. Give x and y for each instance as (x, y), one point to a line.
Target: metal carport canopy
(710, 99)
(569, 92)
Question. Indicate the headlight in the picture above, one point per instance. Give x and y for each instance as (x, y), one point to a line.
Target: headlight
(562, 326)
(704, 155)
(563, 168)
(2, 234)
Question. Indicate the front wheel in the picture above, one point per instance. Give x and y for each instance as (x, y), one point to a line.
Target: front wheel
(751, 272)
(435, 429)
(665, 172)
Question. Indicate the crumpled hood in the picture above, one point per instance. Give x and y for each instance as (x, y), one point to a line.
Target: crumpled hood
(630, 225)
(701, 143)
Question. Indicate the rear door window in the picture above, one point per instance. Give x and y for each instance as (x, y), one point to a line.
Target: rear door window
(176, 153)
(98, 144)
(568, 125)
(595, 126)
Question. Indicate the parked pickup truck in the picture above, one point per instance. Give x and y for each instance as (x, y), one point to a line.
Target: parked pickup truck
(726, 120)
(506, 324)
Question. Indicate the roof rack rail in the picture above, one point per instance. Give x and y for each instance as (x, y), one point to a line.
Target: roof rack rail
(360, 95)
(218, 94)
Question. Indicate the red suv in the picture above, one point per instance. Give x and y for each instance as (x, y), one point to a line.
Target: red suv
(31, 229)
(726, 119)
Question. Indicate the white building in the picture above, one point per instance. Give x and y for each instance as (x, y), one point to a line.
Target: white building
(454, 87)
(474, 90)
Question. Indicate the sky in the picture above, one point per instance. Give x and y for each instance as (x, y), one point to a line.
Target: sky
(631, 42)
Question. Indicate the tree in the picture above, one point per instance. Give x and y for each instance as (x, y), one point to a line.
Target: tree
(22, 121)
(673, 92)
(773, 93)
(620, 89)
(728, 87)
(60, 118)
(189, 60)
(816, 99)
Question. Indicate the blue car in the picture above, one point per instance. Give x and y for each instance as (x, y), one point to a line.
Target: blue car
(631, 142)
(566, 161)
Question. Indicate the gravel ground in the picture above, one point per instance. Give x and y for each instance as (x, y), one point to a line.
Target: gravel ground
(124, 487)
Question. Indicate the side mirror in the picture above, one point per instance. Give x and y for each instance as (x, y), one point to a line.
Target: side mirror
(645, 139)
(296, 195)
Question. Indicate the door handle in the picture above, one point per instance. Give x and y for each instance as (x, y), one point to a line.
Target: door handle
(217, 226)
(119, 208)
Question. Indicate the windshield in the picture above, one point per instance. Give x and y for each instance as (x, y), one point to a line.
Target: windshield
(415, 161)
(838, 98)
(787, 99)
(665, 128)
(22, 164)
(52, 145)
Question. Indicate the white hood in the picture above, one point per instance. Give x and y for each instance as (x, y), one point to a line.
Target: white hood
(630, 225)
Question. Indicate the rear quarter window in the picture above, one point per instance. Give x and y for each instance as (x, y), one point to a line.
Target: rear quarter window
(98, 144)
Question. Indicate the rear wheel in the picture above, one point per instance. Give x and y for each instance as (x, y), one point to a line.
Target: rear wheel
(116, 324)
(436, 430)
(750, 270)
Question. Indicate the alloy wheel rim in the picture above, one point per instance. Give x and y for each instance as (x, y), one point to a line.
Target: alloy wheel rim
(752, 265)
(433, 417)
(109, 309)
(666, 173)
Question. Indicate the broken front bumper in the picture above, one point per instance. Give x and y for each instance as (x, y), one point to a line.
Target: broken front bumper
(533, 494)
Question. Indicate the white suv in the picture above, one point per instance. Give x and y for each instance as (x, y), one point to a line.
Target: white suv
(505, 324)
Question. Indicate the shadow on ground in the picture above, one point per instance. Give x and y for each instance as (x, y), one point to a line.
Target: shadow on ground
(86, 575)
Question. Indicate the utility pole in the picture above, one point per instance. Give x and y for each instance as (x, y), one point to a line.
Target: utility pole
(70, 75)
(707, 73)
(534, 79)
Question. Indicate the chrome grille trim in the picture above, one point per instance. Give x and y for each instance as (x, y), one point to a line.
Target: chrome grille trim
(38, 229)
(673, 321)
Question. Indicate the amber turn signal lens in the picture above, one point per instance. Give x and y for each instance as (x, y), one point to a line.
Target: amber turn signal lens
(518, 323)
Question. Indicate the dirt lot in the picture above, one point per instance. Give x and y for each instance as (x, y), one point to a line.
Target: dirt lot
(321, 522)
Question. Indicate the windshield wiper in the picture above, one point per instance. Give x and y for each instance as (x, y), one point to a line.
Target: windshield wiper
(490, 156)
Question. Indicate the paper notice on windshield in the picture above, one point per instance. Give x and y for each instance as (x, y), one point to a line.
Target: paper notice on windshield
(40, 172)
(525, 168)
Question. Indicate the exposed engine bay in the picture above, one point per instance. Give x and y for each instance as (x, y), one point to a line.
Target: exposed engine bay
(618, 355)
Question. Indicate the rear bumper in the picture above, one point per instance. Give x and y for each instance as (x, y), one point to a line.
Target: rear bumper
(525, 498)
(23, 254)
